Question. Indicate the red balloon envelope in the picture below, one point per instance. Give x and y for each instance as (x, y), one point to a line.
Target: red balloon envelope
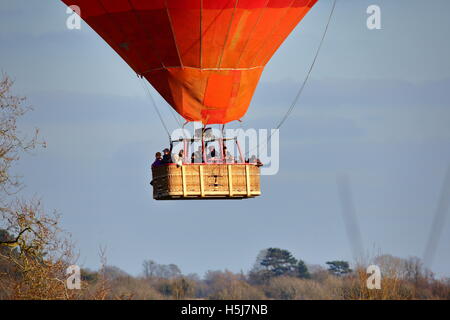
(205, 57)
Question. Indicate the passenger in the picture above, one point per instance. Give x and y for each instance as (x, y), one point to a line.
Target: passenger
(212, 154)
(158, 160)
(178, 158)
(259, 163)
(193, 157)
(254, 160)
(198, 155)
(167, 157)
(227, 155)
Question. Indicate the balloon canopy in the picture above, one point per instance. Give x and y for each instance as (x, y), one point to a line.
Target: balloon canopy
(204, 57)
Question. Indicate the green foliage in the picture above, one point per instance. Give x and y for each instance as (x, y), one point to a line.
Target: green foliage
(279, 262)
(275, 262)
(302, 270)
(339, 267)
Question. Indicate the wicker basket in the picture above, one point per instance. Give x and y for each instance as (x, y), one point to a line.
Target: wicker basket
(206, 181)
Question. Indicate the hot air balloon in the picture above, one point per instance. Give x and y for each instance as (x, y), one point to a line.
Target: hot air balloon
(205, 58)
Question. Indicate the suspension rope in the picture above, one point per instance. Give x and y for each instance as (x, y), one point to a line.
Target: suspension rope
(302, 87)
(178, 121)
(149, 94)
(300, 91)
(174, 115)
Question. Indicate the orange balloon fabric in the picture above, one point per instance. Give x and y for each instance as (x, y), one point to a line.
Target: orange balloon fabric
(205, 57)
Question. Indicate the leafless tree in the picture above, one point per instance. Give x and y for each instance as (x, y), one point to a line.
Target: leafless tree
(34, 248)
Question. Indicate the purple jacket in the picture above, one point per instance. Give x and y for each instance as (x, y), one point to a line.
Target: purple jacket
(157, 162)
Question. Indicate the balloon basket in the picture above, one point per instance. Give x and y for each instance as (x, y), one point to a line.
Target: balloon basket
(206, 181)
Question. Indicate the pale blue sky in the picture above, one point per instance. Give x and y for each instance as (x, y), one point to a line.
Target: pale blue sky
(377, 107)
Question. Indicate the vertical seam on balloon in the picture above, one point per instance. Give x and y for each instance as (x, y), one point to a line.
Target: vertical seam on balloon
(107, 13)
(201, 35)
(227, 35)
(227, 110)
(250, 34)
(302, 11)
(276, 25)
(138, 18)
(201, 56)
(173, 32)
